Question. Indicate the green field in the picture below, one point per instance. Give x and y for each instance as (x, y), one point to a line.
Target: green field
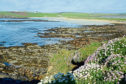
(26, 14)
(119, 17)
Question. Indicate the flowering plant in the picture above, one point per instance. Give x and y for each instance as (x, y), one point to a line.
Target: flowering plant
(107, 65)
(61, 78)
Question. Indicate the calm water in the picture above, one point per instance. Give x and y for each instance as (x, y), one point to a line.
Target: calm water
(16, 33)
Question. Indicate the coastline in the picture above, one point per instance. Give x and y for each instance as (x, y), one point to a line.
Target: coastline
(31, 56)
(83, 21)
(33, 59)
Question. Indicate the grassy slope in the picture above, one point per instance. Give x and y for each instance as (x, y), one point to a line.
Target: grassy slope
(9, 14)
(69, 15)
(92, 16)
(27, 14)
(30, 14)
(61, 61)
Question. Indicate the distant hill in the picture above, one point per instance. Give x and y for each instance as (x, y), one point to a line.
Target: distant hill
(13, 14)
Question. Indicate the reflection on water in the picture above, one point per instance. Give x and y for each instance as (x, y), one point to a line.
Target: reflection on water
(16, 33)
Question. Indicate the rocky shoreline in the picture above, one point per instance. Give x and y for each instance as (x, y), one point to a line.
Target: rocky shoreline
(86, 34)
(25, 63)
(31, 61)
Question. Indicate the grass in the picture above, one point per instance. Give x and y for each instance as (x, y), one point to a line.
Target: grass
(88, 50)
(92, 16)
(68, 15)
(10, 14)
(26, 14)
(61, 61)
(31, 14)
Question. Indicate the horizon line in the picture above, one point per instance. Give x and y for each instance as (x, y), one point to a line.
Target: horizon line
(66, 12)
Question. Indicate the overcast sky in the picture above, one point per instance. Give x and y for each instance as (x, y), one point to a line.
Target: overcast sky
(89, 6)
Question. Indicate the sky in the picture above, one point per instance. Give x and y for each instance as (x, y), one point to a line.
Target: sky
(87, 6)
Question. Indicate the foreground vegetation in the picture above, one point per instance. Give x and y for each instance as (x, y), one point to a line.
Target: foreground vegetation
(69, 15)
(61, 60)
(105, 66)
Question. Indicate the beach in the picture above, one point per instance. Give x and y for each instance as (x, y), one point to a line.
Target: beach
(83, 21)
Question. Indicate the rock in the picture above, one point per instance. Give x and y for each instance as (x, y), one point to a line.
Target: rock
(27, 62)
(76, 57)
(2, 66)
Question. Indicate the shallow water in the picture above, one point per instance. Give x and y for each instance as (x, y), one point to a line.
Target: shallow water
(16, 33)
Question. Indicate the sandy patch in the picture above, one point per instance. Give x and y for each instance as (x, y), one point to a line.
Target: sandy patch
(83, 21)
